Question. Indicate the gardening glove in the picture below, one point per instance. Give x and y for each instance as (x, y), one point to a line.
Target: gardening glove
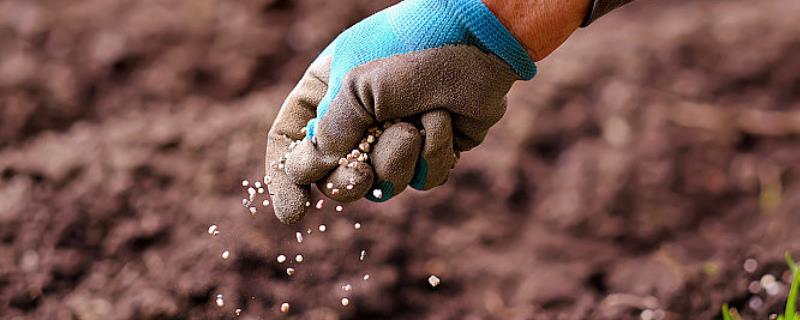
(444, 65)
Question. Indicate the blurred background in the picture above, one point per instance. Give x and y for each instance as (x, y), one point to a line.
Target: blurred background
(650, 171)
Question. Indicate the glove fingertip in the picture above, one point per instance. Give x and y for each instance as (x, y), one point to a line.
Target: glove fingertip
(290, 202)
(347, 183)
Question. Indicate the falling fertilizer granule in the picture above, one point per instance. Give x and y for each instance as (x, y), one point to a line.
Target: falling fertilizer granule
(226, 254)
(255, 188)
(434, 281)
(212, 230)
(238, 312)
(219, 301)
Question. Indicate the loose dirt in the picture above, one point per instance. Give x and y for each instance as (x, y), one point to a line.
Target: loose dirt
(651, 158)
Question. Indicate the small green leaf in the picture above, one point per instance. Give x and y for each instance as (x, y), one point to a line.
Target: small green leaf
(791, 302)
(726, 312)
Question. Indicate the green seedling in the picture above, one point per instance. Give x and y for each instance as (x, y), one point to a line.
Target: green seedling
(729, 313)
(790, 312)
(791, 303)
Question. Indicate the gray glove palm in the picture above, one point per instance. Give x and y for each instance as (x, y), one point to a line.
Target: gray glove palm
(457, 92)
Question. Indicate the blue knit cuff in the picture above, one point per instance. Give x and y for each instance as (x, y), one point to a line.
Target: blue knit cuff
(494, 37)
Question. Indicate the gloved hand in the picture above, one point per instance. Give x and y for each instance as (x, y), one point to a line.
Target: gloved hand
(443, 64)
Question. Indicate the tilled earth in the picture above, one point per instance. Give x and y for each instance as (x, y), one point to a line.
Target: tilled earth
(652, 156)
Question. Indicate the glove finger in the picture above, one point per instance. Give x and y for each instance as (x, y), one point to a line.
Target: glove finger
(437, 157)
(336, 131)
(394, 158)
(347, 183)
(289, 199)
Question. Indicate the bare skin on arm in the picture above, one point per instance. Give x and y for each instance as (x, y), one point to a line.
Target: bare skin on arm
(540, 25)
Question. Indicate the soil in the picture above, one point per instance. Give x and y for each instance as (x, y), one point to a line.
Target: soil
(653, 154)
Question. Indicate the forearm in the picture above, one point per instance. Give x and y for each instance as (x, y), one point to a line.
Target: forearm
(542, 25)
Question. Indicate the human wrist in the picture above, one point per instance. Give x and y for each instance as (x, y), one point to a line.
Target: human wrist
(540, 26)
(493, 36)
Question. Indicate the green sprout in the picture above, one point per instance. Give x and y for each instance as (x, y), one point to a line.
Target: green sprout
(791, 303)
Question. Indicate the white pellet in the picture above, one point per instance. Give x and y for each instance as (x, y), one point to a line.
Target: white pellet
(257, 184)
(226, 254)
(750, 265)
(253, 210)
(298, 258)
(267, 179)
(767, 280)
(345, 302)
(285, 307)
(281, 258)
(245, 183)
(290, 271)
(261, 190)
(774, 289)
(377, 193)
(308, 231)
(334, 190)
(754, 287)
(220, 301)
(366, 276)
(265, 203)
(434, 281)
(339, 208)
(212, 230)
(299, 237)
(329, 185)
(363, 255)
(349, 187)
(308, 203)
(322, 228)
(251, 191)
(319, 204)
(357, 225)
(238, 312)
(755, 303)
(347, 287)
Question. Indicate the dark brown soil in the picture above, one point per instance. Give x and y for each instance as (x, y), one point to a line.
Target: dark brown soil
(652, 155)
